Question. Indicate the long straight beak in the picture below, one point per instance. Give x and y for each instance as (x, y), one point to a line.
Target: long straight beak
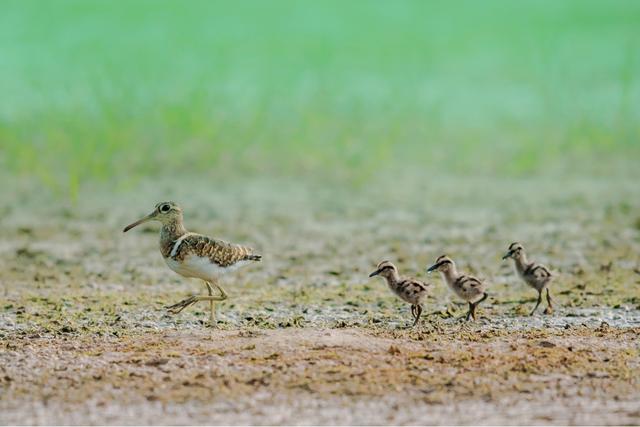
(375, 273)
(507, 255)
(140, 221)
(433, 267)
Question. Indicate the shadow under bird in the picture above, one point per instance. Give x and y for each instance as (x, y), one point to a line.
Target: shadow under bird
(535, 275)
(469, 288)
(195, 255)
(407, 288)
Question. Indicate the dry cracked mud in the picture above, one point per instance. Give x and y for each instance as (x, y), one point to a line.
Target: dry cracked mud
(306, 337)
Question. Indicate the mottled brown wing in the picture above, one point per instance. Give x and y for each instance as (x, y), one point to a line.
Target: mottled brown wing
(470, 286)
(538, 272)
(219, 252)
(411, 287)
(541, 272)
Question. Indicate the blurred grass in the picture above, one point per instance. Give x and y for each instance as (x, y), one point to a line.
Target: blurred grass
(115, 90)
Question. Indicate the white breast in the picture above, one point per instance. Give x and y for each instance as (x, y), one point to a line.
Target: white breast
(200, 267)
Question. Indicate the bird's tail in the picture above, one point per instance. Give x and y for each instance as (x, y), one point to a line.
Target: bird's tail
(254, 258)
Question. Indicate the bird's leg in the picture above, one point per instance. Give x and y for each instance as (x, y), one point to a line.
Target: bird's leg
(484, 297)
(181, 305)
(472, 308)
(223, 294)
(549, 308)
(537, 304)
(178, 307)
(417, 311)
(469, 312)
(212, 306)
(476, 304)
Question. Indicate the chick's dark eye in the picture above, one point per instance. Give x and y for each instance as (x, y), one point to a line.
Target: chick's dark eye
(165, 208)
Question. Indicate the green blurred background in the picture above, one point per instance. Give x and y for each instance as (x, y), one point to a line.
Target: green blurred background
(119, 91)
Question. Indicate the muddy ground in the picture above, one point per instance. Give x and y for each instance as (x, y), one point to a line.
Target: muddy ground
(306, 337)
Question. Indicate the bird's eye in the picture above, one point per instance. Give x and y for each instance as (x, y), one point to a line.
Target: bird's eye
(165, 208)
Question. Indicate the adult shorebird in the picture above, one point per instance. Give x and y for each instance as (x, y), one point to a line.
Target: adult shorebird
(535, 275)
(195, 255)
(469, 288)
(408, 289)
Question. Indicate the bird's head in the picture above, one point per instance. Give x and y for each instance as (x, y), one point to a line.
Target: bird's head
(165, 212)
(516, 251)
(385, 269)
(442, 264)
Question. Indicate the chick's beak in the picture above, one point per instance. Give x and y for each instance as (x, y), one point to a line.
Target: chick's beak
(149, 217)
(507, 255)
(433, 267)
(375, 273)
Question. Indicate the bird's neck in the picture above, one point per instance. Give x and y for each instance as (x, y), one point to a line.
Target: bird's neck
(173, 229)
(450, 275)
(169, 233)
(521, 263)
(392, 278)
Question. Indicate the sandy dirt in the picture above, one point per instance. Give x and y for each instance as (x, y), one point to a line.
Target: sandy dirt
(306, 337)
(459, 374)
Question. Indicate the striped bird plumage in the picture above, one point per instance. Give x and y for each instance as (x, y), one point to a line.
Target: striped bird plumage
(469, 288)
(195, 255)
(533, 274)
(536, 274)
(219, 252)
(408, 289)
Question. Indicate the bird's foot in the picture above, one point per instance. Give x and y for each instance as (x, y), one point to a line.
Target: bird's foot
(548, 310)
(178, 307)
(465, 317)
